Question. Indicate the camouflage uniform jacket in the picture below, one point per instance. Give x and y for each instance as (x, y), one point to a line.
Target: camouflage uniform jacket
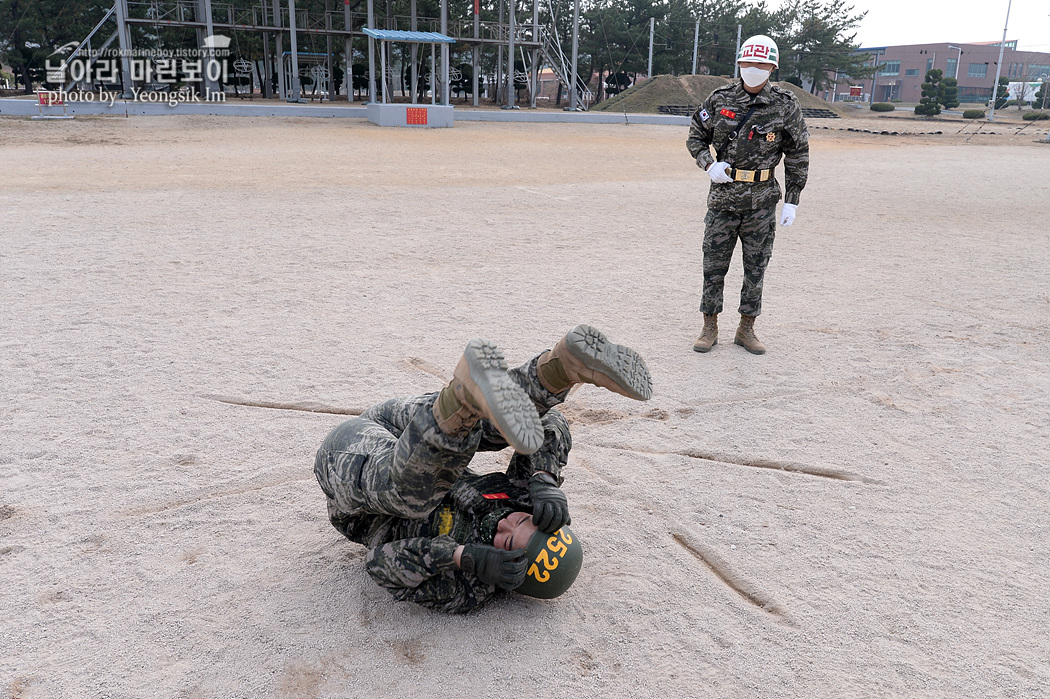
(775, 128)
(412, 558)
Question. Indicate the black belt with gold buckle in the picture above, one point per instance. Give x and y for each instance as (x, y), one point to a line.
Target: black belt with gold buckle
(750, 175)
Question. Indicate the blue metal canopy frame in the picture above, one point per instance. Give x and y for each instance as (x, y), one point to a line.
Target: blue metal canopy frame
(386, 36)
(409, 37)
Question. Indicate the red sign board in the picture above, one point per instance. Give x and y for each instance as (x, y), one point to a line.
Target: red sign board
(49, 99)
(856, 90)
(416, 116)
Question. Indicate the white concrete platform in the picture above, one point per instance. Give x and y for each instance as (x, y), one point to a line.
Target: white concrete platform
(419, 116)
(28, 107)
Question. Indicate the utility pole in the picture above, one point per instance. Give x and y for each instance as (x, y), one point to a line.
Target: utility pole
(282, 88)
(999, 65)
(958, 61)
(413, 55)
(875, 77)
(348, 49)
(696, 44)
(736, 68)
(535, 87)
(445, 57)
(329, 79)
(652, 30)
(124, 41)
(296, 95)
(575, 99)
(512, 10)
(372, 54)
(476, 50)
(499, 60)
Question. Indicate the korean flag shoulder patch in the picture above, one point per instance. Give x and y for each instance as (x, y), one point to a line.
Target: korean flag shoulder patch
(704, 116)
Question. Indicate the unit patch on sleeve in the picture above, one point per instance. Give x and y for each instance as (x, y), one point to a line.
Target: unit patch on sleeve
(704, 116)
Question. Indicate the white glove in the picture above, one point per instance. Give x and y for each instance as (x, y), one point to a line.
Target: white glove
(717, 171)
(787, 215)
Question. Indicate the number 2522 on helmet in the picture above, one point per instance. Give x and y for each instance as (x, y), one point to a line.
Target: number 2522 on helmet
(554, 562)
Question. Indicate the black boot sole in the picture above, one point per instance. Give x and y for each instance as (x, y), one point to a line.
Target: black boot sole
(622, 364)
(510, 409)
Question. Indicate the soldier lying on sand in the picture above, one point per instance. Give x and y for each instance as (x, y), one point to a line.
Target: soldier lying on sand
(438, 534)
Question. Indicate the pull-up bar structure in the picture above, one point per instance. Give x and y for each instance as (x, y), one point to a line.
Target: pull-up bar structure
(388, 36)
(277, 19)
(387, 114)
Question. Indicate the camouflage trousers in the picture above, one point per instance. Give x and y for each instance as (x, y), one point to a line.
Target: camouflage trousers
(756, 230)
(393, 459)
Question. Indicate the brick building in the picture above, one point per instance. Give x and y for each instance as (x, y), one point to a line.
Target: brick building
(903, 70)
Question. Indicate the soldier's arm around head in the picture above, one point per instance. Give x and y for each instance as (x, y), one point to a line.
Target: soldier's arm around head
(422, 570)
(796, 152)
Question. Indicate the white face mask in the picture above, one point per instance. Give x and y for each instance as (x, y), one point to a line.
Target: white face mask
(753, 77)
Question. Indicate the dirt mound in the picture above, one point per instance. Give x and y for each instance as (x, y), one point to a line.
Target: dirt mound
(645, 97)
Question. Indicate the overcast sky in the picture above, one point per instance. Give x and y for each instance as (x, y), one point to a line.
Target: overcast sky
(893, 22)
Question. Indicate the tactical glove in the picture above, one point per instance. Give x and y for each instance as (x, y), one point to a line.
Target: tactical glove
(550, 508)
(717, 173)
(494, 566)
(787, 215)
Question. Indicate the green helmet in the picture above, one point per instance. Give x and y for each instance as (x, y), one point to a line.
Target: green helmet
(554, 562)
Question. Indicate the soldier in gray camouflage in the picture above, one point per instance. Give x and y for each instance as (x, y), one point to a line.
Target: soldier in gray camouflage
(751, 124)
(397, 480)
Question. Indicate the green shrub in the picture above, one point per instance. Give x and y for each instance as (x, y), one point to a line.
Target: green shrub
(882, 107)
(896, 101)
(973, 114)
(1036, 116)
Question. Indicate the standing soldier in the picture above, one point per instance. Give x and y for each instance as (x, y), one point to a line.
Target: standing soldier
(751, 124)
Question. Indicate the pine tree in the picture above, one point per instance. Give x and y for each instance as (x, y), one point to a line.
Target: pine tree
(929, 105)
(948, 93)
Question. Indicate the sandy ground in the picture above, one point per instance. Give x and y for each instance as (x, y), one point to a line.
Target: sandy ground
(860, 512)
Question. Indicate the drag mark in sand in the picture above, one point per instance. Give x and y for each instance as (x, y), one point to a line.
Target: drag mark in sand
(209, 494)
(787, 466)
(739, 585)
(427, 368)
(302, 406)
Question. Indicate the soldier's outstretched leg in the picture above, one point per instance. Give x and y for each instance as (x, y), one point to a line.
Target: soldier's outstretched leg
(554, 452)
(585, 355)
(364, 468)
(482, 389)
(557, 441)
